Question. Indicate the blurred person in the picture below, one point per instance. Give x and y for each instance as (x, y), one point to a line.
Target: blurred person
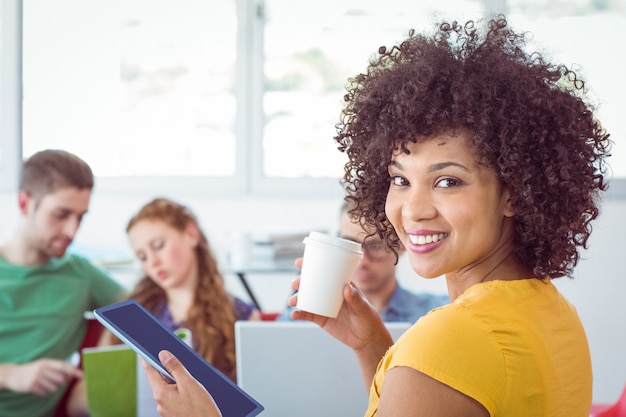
(181, 286)
(44, 291)
(486, 162)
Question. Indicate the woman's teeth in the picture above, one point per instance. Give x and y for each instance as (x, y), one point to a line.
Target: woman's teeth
(424, 239)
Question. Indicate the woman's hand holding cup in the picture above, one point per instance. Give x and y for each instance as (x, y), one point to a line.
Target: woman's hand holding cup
(358, 325)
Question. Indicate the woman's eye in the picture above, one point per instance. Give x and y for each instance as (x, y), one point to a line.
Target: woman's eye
(397, 180)
(158, 244)
(447, 182)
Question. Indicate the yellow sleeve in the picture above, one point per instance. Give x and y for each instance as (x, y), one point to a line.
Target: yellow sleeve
(461, 351)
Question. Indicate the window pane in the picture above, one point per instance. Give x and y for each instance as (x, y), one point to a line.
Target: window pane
(10, 92)
(2, 93)
(311, 49)
(587, 35)
(135, 87)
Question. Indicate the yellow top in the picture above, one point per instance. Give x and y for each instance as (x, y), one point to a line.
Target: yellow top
(516, 347)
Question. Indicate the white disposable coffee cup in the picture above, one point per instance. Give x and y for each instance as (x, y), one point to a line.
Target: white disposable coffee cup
(327, 266)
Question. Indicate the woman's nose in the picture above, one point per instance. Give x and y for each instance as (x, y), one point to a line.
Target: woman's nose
(419, 205)
(153, 260)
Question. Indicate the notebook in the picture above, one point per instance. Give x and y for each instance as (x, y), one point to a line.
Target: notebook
(296, 369)
(116, 384)
(110, 374)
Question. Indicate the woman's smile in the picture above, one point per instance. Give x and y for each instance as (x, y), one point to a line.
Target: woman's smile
(447, 209)
(422, 242)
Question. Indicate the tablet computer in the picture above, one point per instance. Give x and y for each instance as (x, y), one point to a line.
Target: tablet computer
(147, 336)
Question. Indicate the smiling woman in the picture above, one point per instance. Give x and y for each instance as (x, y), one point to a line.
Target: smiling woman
(448, 210)
(453, 157)
(461, 133)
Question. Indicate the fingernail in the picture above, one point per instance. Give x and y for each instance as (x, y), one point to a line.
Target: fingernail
(165, 356)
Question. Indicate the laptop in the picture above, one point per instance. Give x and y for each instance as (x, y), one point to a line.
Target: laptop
(296, 369)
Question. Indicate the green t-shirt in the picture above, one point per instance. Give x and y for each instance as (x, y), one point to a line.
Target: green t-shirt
(41, 316)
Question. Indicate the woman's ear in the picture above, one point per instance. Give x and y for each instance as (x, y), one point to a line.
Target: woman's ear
(508, 203)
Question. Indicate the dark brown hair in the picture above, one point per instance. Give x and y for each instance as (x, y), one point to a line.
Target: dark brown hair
(529, 119)
(50, 170)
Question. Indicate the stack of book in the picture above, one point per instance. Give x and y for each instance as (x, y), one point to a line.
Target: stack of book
(278, 251)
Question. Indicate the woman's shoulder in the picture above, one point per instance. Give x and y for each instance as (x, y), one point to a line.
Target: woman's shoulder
(448, 327)
(449, 344)
(442, 320)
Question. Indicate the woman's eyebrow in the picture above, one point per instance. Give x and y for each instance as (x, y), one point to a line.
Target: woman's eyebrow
(394, 164)
(435, 167)
(442, 165)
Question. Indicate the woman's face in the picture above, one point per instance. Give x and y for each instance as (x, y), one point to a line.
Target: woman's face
(448, 211)
(167, 255)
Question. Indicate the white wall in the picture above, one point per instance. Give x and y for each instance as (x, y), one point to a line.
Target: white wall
(598, 290)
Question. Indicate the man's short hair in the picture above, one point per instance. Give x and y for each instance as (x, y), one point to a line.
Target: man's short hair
(47, 171)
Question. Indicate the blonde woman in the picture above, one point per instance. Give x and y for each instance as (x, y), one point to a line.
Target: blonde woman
(181, 285)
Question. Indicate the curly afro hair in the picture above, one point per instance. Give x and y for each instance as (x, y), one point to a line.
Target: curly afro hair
(529, 120)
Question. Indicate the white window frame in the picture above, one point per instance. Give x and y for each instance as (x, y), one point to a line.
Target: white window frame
(248, 181)
(11, 89)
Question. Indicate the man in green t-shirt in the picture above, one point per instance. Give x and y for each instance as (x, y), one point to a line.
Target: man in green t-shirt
(44, 291)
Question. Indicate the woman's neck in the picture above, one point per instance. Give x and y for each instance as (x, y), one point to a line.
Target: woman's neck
(179, 302)
(506, 268)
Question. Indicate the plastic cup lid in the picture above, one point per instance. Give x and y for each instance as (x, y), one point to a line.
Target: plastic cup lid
(334, 241)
